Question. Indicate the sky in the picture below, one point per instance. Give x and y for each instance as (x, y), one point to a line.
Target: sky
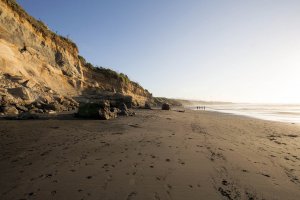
(214, 50)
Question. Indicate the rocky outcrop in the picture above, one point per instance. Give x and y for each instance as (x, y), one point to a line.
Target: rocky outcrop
(102, 110)
(95, 110)
(42, 71)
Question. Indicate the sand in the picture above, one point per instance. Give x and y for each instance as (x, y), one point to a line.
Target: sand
(153, 155)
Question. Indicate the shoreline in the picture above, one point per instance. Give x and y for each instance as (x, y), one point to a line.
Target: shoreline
(250, 116)
(153, 155)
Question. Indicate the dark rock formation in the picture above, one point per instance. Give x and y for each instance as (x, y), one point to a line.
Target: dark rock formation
(165, 106)
(96, 110)
(124, 111)
(147, 106)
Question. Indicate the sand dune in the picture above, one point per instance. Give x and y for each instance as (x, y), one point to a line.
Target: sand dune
(154, 155)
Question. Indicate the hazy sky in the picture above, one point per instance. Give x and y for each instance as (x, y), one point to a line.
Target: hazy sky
(228, 50)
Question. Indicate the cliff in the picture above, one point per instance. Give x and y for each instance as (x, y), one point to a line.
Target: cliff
(37, 65)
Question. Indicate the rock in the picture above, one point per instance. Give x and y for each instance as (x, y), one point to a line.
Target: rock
(123, 107)
(21, 108)
(105, 113)
(56, 107)
(165, 106)
(124, 111)
(33, 110)
(53, 106)
(98, 110)
(6, 100)
(3, 91)
(113, 109)
(46, 99)
(20, 92)
(27, 115)
(36, 104)
(40, 111)
(117, 99)
(59, 99)
(10, 110)
(51, 112)
(28, 84)
(14, 78)
(147, 106)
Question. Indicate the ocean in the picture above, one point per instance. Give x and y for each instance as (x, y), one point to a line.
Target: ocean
(273, 112)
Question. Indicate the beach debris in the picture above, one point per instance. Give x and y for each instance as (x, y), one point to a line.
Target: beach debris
(165, 106)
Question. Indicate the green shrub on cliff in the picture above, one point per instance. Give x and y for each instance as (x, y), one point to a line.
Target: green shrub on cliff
(109, 73)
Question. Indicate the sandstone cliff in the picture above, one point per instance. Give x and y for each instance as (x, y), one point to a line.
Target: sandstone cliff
(37, 65)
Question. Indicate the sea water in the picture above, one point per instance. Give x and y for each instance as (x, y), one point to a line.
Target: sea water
(274, 112)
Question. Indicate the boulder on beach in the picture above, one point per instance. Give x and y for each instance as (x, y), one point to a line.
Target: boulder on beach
(165, 106)
(92, 110)
(147, 106)
(97, 110)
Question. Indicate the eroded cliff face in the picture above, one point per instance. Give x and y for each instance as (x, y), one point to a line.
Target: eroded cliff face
(38, 65)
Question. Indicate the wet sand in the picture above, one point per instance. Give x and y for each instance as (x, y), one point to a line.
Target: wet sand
(154, 155)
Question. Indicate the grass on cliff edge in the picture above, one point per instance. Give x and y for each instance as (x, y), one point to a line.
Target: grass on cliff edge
(39, 26)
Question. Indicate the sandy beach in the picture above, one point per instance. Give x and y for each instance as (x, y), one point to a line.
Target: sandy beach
(154, 155)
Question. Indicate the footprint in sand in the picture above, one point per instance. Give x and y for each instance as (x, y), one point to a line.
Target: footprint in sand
(135, 125)
(266, 175)
(156, 196)
(181, 162)
(131, 196)
(225, 182)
